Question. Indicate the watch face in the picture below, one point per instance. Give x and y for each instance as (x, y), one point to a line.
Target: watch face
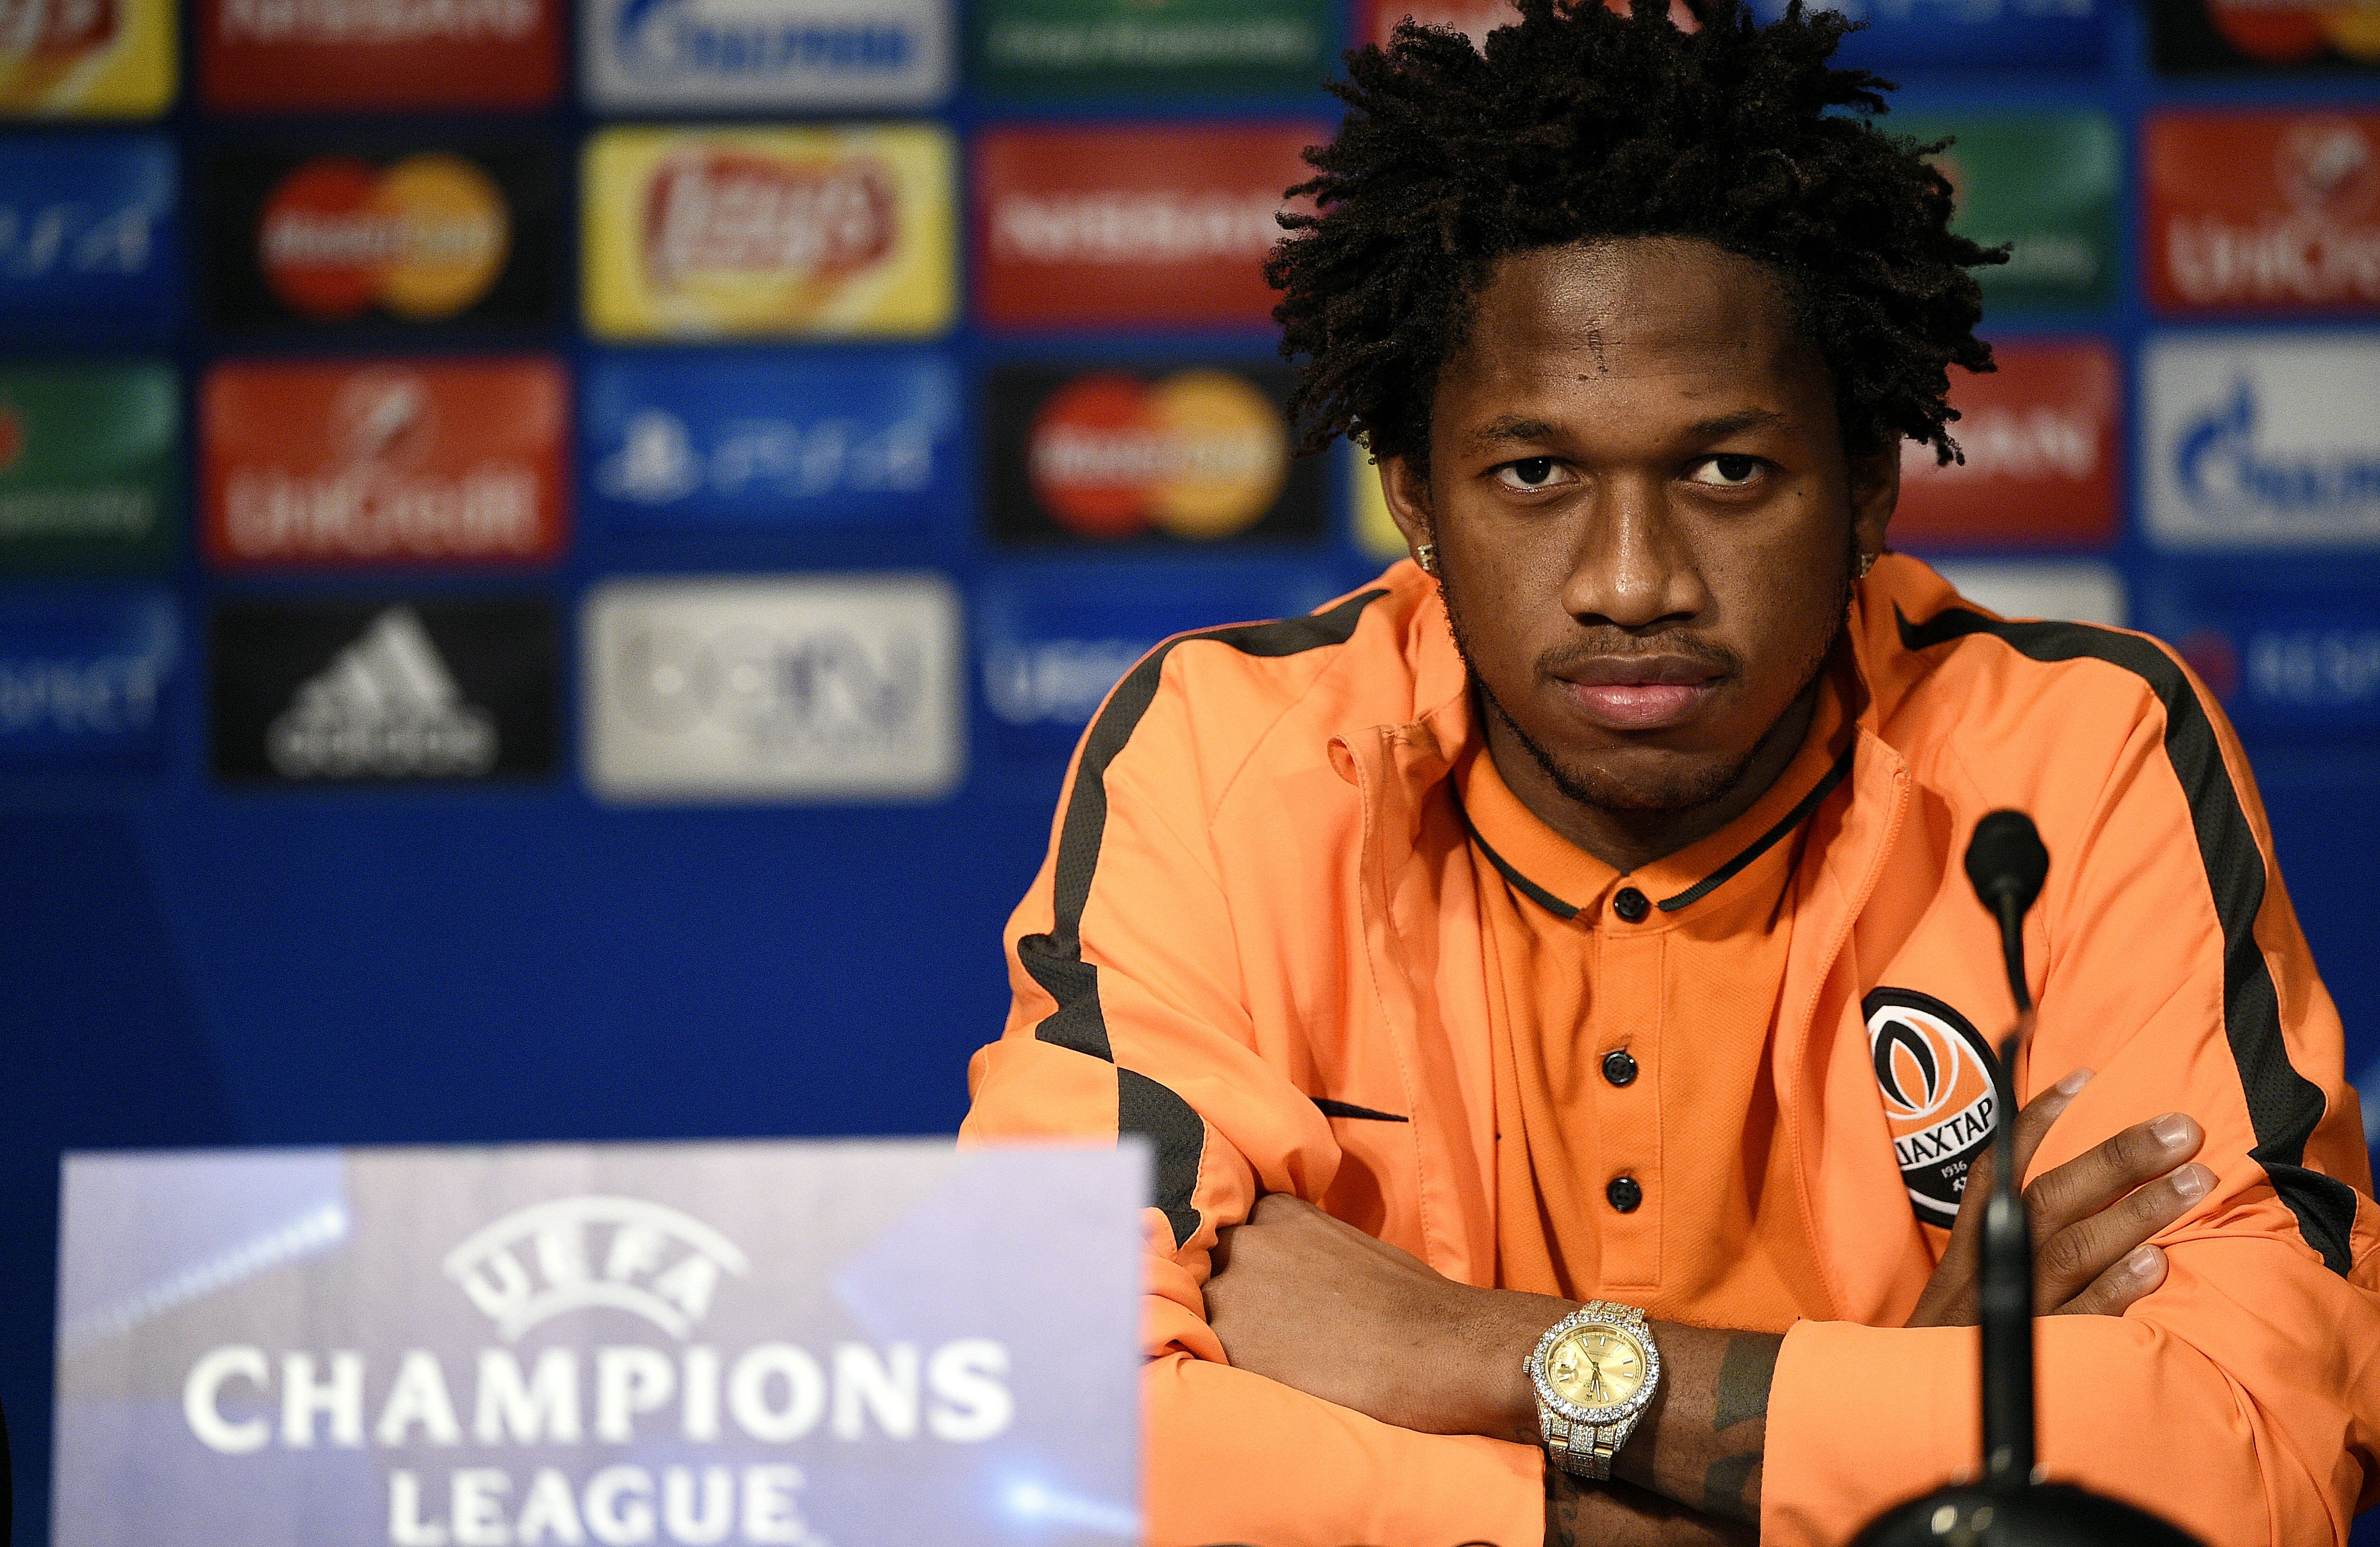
(1597, 1366)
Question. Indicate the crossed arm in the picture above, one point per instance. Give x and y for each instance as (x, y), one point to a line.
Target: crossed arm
(1315, 1304)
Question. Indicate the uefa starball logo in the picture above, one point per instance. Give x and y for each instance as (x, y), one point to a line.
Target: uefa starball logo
(603, 1267)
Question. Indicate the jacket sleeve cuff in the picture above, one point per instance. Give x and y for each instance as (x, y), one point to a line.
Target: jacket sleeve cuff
(1839, 1449)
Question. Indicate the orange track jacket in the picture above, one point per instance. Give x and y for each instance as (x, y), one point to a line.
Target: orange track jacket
(1260, 912)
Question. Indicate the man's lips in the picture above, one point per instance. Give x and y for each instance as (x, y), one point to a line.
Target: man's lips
(1640, 693)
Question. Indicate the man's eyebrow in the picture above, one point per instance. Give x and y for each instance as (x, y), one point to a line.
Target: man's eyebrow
(1508, 429)
(1742, 419)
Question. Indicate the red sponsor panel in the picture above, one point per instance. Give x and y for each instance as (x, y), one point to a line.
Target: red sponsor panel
(1376, 19)
(384, 462)
(2263, 212)
(1166, 225)
(338, 56)
(2042, 450)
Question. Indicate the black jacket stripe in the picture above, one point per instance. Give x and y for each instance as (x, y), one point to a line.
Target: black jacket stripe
(2283, 1104)
(1055, 959)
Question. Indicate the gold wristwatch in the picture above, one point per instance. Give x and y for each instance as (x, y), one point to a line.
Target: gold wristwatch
(1595, 1371)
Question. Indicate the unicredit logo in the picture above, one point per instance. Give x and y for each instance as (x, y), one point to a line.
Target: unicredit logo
(2314, 244)
(537, 1262)
(377, 21)
(724, 213)
(1124, 226)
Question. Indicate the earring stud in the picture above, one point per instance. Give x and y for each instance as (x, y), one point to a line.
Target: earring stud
(1426, 557)
(1867, 563)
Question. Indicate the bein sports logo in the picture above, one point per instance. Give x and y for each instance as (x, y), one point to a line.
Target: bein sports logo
(669, 39)
(538, 1263)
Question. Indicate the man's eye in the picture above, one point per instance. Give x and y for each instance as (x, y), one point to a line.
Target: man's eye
(1535, 472)
(1727, 472)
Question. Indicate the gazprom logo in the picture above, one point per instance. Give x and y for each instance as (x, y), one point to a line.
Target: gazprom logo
(739, 39)
(2219, 464)
(537, 1262)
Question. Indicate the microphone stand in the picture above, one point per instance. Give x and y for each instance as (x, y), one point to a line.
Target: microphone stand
(2009, 1506)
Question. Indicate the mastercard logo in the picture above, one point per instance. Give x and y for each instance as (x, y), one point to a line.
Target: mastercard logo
(2293, 31)
(1935, 1072)
(1201, 454)
(423, 238)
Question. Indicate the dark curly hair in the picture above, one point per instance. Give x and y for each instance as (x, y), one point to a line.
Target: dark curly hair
(1577, 123)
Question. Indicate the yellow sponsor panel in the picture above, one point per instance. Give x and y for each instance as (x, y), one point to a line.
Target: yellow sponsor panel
(1376, 534)
(696, 232)
(85, 58)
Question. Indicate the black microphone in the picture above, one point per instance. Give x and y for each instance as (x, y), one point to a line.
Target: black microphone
(2007, 863)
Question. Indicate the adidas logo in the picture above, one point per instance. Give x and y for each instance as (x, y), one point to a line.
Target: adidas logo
(385, 708)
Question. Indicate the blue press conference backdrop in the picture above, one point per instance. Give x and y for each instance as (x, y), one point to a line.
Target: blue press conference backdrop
(204, 942)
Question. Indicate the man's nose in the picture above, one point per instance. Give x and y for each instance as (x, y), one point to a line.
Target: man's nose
(1629, 568)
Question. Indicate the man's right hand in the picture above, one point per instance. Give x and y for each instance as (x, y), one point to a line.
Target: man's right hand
(2092, 1217)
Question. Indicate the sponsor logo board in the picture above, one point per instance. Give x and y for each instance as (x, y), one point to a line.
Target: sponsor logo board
(1111, 47)
(751, 443)
(391, 462)
(1189, 455)
(1970, 34)
(2262, 441)
(2263, 210)
(89, 234)
(1376, 21)
(772, 55)
(846, 688)
(1132, 225)
(706, 232)
(384, 691)
(2047, 184)
(1935, 1072)
(85, 58)
(83, 682)
(731, 1344)
(1049, 646)
(347, 55)
(387, 237)
(2191, 36)
(2043, 455)
(2072, 591)
(2301, 662)
(89, 465)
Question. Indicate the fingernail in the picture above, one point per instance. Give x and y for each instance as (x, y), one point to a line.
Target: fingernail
(2172, 1130)
(2072, 1082)
(2191, 1181)
(2142, 1263)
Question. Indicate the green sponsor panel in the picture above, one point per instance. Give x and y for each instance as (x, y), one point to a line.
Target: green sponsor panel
(2047, 183)
(1111, 47)
(90, 467)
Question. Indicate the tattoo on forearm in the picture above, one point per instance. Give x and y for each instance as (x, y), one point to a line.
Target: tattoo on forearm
(1561, 1509)
(1731, 1486)
(1745, 1374)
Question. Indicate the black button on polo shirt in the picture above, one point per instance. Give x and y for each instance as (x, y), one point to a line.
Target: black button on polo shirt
(1630, 905)
(1619, 1067)
(1624, 1195)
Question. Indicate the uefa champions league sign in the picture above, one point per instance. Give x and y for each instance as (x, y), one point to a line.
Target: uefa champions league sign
(805, 1344)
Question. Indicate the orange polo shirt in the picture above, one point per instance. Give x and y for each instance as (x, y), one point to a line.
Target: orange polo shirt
(1630, 1016)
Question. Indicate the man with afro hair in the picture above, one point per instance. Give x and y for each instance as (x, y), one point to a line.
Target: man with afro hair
(1545, 981)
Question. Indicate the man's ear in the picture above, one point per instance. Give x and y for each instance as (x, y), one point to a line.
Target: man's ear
(1875, 491)
(1408, 495)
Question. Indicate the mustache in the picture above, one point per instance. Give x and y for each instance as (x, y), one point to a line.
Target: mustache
(1614, 644)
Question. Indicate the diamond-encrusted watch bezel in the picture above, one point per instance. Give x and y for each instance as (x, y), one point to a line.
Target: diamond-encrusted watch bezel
(1619, 1319)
